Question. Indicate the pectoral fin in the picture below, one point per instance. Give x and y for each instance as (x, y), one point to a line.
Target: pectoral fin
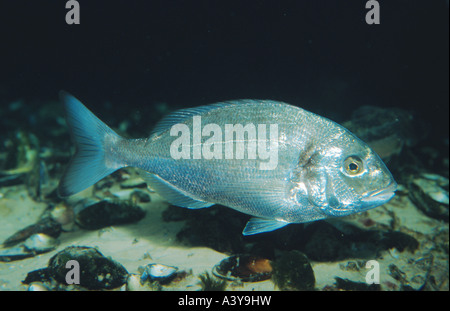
(259, 225)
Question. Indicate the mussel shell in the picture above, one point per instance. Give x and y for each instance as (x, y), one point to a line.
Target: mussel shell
(432, 189)
(37, 287)
(14, 253)
(45, 225)
(159, 272)
(36, 244)
(40, 243)
(62, 214)
(244, 268)
(96, 270)
(107, 213)
(429, 197)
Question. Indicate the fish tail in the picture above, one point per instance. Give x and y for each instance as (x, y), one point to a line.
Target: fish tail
(91, 162)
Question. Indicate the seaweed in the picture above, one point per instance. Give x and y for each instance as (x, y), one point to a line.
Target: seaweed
(211, 283)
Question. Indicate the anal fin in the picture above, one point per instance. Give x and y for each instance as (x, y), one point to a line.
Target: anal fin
(259, 225)
(171, 193)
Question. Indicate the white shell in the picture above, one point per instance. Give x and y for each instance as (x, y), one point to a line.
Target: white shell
(160, 271)
(40, 243)
(134, 284)
(431, 188)
(37, 287)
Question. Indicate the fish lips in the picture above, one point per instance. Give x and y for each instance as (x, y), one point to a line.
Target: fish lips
(371, 199)
(379, 197)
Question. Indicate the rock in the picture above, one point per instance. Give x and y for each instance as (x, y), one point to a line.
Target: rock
(292, 271)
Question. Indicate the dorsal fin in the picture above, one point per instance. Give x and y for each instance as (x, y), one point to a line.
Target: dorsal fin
(180, 116)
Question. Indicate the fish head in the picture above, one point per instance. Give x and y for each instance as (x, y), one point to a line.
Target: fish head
(348, 177)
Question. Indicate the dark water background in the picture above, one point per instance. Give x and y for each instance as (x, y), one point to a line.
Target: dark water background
(321, 55)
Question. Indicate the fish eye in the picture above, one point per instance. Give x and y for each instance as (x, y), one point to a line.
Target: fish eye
(353, 165)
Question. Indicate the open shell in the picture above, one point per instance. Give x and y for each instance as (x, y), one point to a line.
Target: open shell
(244, 268)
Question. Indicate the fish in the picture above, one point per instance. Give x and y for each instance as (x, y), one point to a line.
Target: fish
(276, 162)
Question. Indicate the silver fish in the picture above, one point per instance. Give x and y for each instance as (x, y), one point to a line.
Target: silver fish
(316, 169)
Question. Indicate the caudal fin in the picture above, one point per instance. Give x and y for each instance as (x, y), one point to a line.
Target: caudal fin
(88, 165)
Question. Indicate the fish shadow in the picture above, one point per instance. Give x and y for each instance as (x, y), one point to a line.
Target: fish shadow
(220, 228)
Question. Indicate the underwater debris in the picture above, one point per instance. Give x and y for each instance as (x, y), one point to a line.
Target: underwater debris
(428, 194)
(15, 253)
(434, 185)
(139, 196)
(45, 225)
(221, 227)
(96, 270)
(397, 274)
(346, 284)
(40, 243)
(351, 266)
(37, 287)
(22, 153)
(327, 243)
(37, 177)
(244, 268)
(105, 213)
(158, 272)
(39, 275)
(104, 184)
(40, 237)
(38, 182)
(292, 271)
(134, 196)
(175, 213)
(398, 240)
(64, 215)
(23, 163)
(133, 183)
(36, 244)
(210, 283)
(134, 284)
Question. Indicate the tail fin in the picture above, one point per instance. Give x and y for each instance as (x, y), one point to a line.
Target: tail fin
(88, 165)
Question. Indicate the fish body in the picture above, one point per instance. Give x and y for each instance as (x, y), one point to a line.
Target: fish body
(276, 162)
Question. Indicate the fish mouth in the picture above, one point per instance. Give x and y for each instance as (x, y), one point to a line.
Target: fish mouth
(380, 196)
